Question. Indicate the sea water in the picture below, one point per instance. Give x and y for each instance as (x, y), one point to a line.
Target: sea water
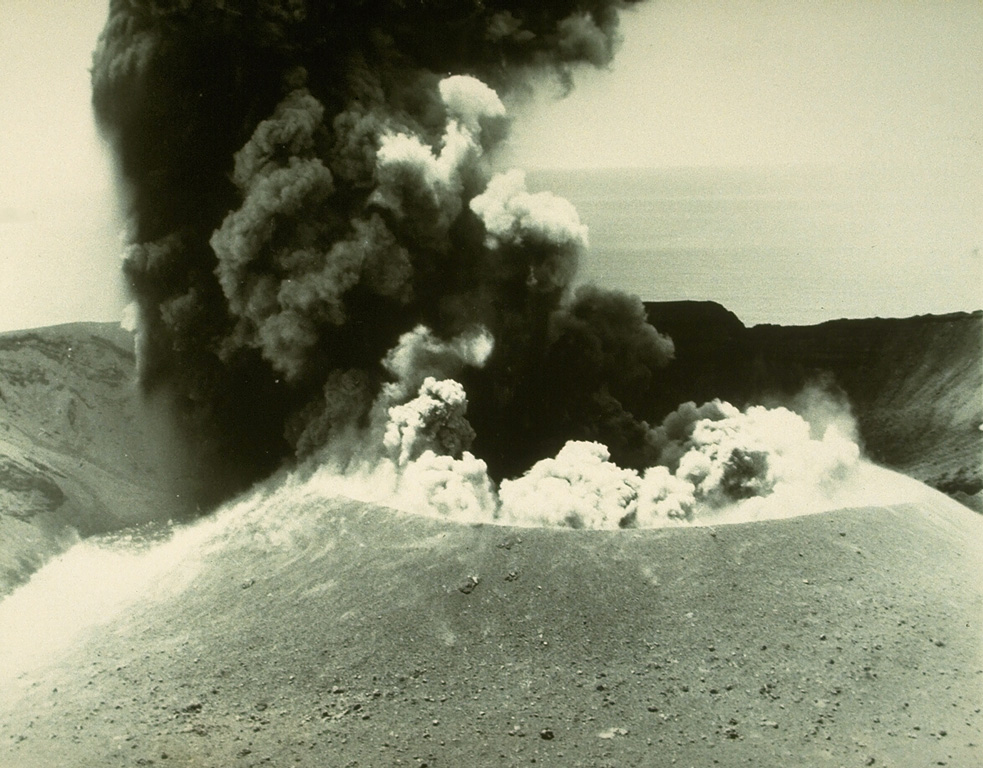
(793, 246)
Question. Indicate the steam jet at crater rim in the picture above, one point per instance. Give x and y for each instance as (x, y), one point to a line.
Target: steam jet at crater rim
(317, 230)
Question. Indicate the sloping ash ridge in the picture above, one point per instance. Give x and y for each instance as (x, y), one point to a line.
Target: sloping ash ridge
(339, 634)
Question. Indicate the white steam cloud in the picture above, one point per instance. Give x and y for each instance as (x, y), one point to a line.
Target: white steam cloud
(717, 465)
(580, 488)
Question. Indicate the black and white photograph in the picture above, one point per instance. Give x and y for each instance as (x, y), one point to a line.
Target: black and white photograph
(489, 383)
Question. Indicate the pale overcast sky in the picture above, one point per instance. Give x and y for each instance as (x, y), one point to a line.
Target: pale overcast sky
(773, 82)
(59, 224)
(696, 83)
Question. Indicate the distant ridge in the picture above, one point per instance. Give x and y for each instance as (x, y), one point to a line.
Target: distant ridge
(82, 451)
(915, 384)
(109, 331)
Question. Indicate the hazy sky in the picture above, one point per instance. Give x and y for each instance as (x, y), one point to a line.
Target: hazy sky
(696, 83)
(59, 226)
(773, 82)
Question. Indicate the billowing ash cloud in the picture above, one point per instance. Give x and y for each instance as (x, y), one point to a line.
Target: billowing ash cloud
(719, 465)
(433, 421)
(712, 457)
(318, 238)
(580, 488)
(324, 265)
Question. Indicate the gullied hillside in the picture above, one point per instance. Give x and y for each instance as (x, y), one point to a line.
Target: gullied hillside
(81, 451)
(915, 385)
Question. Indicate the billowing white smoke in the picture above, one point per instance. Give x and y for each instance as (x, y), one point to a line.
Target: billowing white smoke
(715, 460)
(729, 458)
(434, 421)
(425, 466)
(717, 464)
(580, 488)
(459, 489)
(422, 463)
(410, 171)
(514, 217)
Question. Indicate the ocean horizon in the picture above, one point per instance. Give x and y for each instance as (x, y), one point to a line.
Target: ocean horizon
(793, 246)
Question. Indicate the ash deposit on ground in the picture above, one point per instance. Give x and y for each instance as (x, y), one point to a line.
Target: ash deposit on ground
(353, 333)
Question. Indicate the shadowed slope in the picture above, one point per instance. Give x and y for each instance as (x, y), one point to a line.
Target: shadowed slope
(336, 634)
(80, 449)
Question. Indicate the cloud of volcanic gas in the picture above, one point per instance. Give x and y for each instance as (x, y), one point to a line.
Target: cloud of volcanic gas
(327, 269)
(311, 192)
(715, 464)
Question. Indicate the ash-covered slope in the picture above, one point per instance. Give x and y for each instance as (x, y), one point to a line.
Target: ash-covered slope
(915, 384)
(81, 451)
(296, 633)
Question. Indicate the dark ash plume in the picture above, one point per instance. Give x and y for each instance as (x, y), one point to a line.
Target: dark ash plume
(309, 184)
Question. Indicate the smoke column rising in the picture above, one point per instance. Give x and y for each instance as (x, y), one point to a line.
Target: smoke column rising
(310, 182)
(327, 271)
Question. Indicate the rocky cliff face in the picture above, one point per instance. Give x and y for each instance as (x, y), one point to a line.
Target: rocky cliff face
(81, 451)
(915, 385)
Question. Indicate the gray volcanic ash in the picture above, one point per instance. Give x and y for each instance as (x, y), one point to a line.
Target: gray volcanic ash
(291, 630)
(341, 276)
(308, 186)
